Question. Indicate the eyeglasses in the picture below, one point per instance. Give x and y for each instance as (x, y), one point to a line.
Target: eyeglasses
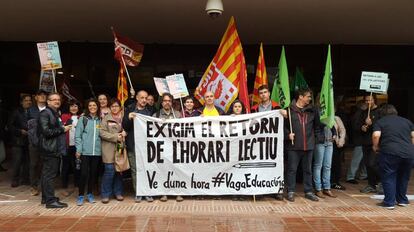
(55, 99)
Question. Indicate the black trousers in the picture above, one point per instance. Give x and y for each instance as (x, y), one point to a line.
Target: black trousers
(294, 158)
(370, 161)
(20, 164)
(35, 166)
(68, 166)
(337, 159)
(89, 168)
(49, 172)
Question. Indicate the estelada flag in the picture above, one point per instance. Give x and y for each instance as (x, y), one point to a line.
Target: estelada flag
(261, 75)
(122, 94)
(226, 76)
(129, 50)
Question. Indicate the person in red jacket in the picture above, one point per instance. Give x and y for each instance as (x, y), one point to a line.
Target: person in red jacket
(265, 103)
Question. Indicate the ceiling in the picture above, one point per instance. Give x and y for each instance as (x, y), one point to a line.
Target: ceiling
(185, 21)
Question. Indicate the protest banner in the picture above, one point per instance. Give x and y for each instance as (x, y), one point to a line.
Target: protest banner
(161, 85)
(177, 86)
(49, 55)
(239, 155)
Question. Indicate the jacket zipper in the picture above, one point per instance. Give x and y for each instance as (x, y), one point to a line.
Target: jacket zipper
(302, 120)
(94, 134)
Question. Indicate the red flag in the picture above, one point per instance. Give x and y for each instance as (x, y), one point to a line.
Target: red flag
(122, 86)
(226, 76)
(129, 50)
(261, 75)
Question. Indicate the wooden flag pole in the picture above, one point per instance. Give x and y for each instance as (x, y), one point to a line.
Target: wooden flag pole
(369, 105)
(182, 107)
(54, 79)
(126, 70)
(290, 124)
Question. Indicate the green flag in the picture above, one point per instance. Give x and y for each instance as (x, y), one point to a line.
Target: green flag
(299, 81)
(326, 99)
(281, 91)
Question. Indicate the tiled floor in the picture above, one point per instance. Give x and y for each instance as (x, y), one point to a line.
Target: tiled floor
(351, 211)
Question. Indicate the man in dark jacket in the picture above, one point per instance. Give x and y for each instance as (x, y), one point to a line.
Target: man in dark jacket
(52, 144)
(128, 125)
(17, 126)
(301, 142)
(365, 123)
(34, 153)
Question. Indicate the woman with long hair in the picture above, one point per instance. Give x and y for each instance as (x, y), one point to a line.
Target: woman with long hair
(88, 149)
(69, 160)
(111, 134)
(103, 100)
(236, 108)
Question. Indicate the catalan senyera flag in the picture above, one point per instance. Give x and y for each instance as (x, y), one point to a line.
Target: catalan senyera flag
(122, 94)
(226, 76)
(129, 50)
(326, 100)
(281, 90)
(261, 75)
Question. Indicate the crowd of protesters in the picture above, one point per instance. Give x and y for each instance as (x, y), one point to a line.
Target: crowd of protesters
(46, 142)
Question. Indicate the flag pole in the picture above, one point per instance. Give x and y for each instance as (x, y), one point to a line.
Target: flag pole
(369, 105)
(182, 107)
(126, 70)
(54, 79)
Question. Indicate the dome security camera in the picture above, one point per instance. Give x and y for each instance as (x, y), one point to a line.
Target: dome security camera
(214, 8)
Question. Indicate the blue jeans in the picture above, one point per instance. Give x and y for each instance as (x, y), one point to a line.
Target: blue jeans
(322, 165)
(111, 182)
(395, 174)
(355, 164)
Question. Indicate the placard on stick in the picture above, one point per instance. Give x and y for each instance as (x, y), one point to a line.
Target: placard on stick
(161, 85)
(375, 82)
(177, 86)
(49, 55)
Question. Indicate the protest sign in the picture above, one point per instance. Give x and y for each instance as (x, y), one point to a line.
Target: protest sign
(241, 155)
(374, 82)
(46, 81)
(161, 85)
(177, 86)
(49, 55)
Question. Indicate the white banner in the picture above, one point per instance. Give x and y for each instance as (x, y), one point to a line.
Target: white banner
(240, 155)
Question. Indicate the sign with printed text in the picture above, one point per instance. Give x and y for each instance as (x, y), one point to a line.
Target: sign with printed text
(177, 86)
(49, 55)
(224, 155)
(374, 82)
(161, 85)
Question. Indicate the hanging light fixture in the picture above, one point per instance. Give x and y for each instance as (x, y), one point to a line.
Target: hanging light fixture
(214, 8)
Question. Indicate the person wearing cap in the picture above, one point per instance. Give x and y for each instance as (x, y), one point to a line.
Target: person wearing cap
(34, 153)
